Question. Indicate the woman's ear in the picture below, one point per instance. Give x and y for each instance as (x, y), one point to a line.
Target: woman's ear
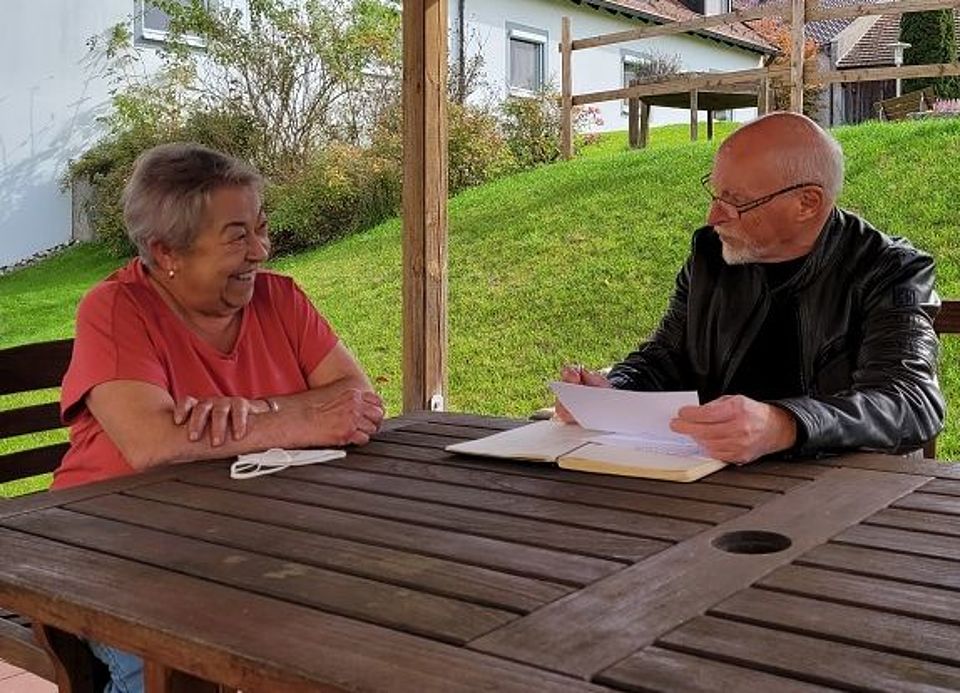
(165, 259)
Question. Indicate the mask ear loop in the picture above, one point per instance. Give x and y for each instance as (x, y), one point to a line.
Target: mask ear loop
(277, 459)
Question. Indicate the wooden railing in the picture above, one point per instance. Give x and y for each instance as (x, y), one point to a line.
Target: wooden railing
(798, 74)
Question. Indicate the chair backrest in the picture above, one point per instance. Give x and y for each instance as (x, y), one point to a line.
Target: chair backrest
(947, 322)
(25, 369)
(899, 107)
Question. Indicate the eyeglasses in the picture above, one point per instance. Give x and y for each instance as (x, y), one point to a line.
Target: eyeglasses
(753, 204)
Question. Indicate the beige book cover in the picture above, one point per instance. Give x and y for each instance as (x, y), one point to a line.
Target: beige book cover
(570, 446)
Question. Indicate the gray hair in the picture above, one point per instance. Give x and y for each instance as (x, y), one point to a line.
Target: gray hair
(169, 189)
(819, 164)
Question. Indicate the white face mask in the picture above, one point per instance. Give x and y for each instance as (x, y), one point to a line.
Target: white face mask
(275, 459)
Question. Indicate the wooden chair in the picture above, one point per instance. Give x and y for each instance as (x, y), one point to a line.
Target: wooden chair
(25, 369)
(946, 322)
(900, 107)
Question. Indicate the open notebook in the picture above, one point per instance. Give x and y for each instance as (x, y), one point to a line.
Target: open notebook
(573, 447)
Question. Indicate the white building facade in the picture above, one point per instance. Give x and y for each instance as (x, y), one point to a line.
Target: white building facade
(52, 92)
(519, 42)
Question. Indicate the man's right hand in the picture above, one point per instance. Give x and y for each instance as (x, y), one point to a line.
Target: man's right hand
(577, 375)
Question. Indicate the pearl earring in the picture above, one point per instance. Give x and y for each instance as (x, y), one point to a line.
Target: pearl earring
(170, 273)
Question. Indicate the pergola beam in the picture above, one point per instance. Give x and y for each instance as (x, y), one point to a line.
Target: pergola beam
(424, 204)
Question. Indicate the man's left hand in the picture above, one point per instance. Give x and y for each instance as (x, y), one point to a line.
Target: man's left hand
(737, 429)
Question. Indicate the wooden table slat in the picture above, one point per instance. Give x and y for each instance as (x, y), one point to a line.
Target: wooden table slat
(168, 615)
(589, 541)
(947, 487)
(484, 421)
(630, 609)
(919, 570)
(811, 658)
(880, 630)
(931, 502)
(918, 543)
(438, 617)
(496, 554)
(657, 669)
(895, 464)
(917, 521)
(416, 571)
(745, 490)
(875, 592)
(430, 482)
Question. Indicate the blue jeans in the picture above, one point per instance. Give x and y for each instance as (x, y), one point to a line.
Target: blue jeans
(126, 670)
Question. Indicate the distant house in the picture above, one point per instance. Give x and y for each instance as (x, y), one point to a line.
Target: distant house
(52, 96)
(518, 40)
(851, 44)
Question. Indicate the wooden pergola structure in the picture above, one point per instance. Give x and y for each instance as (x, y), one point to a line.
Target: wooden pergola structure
(424, 204)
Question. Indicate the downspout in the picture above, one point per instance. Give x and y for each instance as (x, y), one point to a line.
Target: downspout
(461, 51)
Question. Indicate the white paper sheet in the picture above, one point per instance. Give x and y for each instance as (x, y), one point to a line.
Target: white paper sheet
(640, 415)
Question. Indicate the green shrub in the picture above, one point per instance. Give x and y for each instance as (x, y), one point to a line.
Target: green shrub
(477, 150)
(108, 164)
(531, 127)
(343, 190)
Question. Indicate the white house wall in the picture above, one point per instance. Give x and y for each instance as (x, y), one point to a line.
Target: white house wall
(594, 69)
(49, 101)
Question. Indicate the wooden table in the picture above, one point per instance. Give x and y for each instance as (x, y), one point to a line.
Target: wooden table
(404, 568)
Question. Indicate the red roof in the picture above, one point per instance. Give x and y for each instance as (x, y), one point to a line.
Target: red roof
(666, 11)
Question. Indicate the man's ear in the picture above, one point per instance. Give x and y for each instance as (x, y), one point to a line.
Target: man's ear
(812, 201)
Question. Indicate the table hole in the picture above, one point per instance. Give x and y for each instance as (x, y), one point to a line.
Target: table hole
(752, 541)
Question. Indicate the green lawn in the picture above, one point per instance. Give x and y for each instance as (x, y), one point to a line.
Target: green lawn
(569, 262)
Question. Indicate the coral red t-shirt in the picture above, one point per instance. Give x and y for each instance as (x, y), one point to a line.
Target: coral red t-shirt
(125, 331)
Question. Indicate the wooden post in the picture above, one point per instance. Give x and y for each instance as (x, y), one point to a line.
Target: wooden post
(709, 125)
(693, 115)
(424, 204)
(644, 124)
(763, 96)
(566, 93)
(797, 40)
(633, 118)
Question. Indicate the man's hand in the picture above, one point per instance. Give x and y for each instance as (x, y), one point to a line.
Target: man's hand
(349, 418)
(577, 375)
(218, 414)
(737, 429)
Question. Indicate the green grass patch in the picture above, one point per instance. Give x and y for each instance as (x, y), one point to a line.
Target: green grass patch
(569, 262)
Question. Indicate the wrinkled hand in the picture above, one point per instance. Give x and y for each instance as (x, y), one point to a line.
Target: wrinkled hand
(578, 375)
(217, 414)
(349, 418)
(737, 429)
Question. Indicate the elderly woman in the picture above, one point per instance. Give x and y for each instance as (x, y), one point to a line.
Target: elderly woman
(192, 351)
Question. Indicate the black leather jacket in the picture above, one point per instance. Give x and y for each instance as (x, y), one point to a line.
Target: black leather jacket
(865, 307)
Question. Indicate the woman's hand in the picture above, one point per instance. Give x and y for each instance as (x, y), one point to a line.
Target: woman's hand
(218, 414)
(351, 417)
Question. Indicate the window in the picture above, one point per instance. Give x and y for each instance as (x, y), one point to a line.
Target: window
(526, 59)
(632, 64)
(153, 24)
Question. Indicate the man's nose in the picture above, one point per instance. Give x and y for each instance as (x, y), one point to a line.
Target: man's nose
(720, 212)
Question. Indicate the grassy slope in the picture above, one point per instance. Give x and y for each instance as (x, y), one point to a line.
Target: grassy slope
(571, 262)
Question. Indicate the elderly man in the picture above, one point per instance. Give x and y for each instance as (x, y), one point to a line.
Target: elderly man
(803, 328)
